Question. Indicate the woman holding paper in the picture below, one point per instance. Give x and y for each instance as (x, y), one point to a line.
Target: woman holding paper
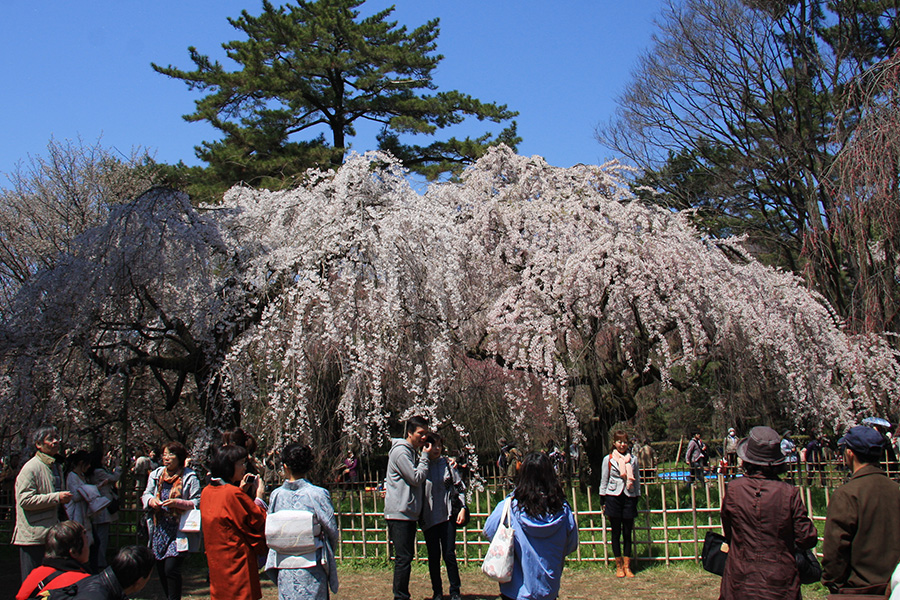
(303, 537)
(172, 489)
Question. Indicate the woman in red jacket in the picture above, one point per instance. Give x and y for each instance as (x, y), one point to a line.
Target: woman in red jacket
(233, 518)
(65, 560)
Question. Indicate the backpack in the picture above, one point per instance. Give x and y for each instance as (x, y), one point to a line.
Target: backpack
(41, 592)
(65, 593)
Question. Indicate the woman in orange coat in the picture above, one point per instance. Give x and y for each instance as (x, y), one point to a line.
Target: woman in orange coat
(234, 526)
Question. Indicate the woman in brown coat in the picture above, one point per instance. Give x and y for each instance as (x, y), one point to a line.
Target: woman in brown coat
(764, 520)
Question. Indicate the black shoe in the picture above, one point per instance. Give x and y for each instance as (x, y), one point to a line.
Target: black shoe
(455, 597)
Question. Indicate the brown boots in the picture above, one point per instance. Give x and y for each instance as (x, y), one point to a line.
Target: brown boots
(623, 566)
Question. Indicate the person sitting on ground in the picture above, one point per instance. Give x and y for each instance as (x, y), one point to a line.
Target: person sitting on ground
(128, 572)
(66, 554)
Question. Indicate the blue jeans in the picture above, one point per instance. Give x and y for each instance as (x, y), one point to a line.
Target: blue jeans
(403, 537)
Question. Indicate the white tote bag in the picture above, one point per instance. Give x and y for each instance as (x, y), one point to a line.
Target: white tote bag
(190, 521)
(498, 562)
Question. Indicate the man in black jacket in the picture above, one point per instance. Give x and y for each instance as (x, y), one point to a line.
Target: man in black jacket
(126, 574)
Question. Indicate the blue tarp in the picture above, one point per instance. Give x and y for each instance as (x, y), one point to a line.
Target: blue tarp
(681, 476)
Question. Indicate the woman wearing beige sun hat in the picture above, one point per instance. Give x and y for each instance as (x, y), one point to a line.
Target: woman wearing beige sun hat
(764, 520)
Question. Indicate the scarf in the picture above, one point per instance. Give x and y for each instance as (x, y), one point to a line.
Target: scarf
(625, 470)
(176, 483)
(174, 480)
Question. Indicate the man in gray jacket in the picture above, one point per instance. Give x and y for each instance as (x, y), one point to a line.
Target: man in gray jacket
(38, 495)
(403, 498)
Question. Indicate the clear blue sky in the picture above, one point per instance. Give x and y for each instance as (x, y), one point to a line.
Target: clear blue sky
(74, 69)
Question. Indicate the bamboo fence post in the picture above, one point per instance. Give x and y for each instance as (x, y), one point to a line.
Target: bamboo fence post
(708, 505)
(678, 520)
(489, 510)
(362, 509)
(465, 532)
(575, 513)
(593, 533)
(603, 538)
(694, 517)
(387, 535)
(662, 489)
(649, 530)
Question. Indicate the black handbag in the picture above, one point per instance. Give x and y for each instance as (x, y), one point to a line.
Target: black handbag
(455, 506)
(712, 555)
(807, 566)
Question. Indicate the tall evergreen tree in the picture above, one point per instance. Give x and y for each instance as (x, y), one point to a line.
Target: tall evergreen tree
(306, 66)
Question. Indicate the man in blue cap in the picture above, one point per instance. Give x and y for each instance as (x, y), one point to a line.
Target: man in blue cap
(861, 544)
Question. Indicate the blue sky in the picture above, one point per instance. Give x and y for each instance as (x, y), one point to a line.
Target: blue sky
(83, 69)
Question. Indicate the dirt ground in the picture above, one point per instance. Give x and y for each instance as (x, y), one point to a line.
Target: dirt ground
(580, 583)
(365, 581)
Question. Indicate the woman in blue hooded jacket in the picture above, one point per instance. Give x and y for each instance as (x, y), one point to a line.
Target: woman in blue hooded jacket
(544, 531)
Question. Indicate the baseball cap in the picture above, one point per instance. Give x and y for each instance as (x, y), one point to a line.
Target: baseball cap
(864, 440)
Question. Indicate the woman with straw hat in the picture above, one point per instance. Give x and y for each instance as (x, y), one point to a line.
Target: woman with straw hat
(764, 520)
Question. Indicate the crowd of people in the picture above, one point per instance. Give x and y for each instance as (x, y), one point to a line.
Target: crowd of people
(65, 554)
(63, 518)
(62, 522)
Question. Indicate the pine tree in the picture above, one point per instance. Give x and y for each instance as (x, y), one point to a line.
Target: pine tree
(308, 65)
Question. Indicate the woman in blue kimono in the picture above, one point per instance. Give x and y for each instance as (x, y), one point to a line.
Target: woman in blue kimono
(307, 576)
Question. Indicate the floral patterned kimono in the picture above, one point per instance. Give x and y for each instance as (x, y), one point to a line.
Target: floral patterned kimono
(313, 582)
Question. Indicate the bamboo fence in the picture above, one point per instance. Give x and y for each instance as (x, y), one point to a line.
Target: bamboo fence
(673, 518)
